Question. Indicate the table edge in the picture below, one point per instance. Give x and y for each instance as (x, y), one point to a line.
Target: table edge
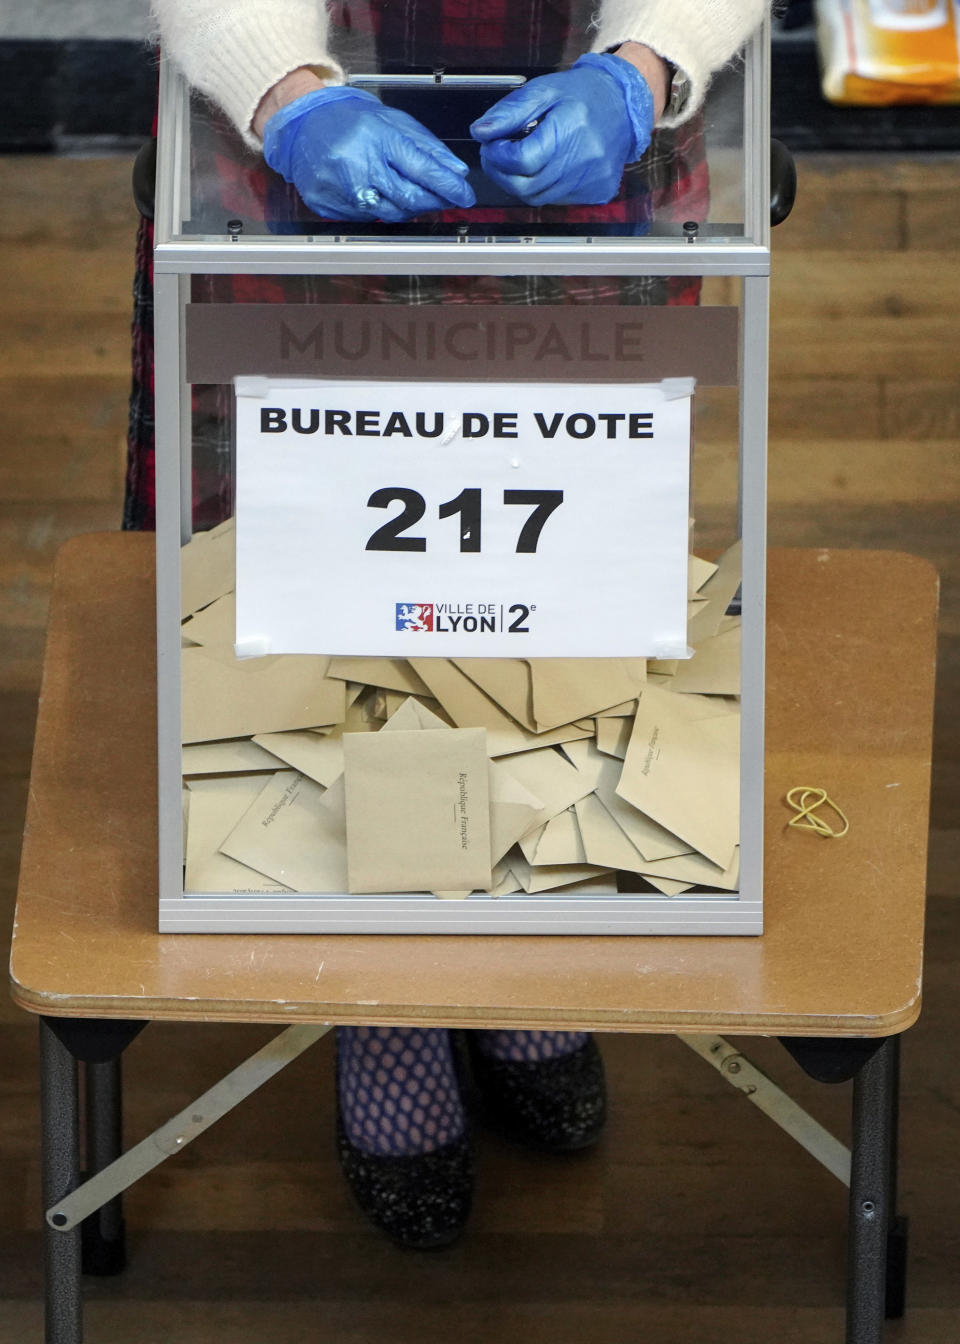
(266, 1012)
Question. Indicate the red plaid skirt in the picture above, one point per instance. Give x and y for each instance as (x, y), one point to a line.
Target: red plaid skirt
(669, 183)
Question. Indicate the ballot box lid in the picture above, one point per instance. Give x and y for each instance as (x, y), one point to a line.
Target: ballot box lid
(696, 203)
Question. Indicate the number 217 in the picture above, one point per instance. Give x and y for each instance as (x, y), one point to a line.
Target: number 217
(392, 536)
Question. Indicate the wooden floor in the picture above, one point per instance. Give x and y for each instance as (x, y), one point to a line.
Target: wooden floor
(696, 1220)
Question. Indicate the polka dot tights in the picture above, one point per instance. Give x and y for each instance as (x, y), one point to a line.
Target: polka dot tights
(398, 1089)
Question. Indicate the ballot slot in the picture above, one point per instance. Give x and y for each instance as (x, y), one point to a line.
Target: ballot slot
(447, 105)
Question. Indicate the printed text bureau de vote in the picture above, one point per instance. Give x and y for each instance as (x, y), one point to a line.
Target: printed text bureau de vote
(468, 424)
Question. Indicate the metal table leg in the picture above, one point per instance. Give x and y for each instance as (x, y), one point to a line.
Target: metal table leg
(61, 1174)
(898, 1230)
(102, 1236)
(871, 1207)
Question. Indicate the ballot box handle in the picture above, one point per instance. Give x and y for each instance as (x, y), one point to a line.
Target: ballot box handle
(783, 182)
(145, 178)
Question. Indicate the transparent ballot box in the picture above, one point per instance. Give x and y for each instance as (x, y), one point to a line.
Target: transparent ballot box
(461, 533)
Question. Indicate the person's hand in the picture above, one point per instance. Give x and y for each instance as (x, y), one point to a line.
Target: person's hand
(350, 157)
(565, 139)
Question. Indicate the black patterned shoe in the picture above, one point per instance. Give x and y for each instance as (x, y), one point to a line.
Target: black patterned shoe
(422, 1201)
(555, 1105)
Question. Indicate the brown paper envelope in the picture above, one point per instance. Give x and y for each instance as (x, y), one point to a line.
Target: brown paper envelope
(333, 806)
(719, 591)
(666, 887)
(604, 885)
(378, 706)
(613, 736)
(513, 814)
(413, 715)
(555, 738)
(505, 680)
(418, 810)
(228, 697)
(726, 704)
(207, 567)
(361, 712)
(548, 775)
(589, 761)
(527, 844)
(698, 571)
(227, 758)
(537, 880)
(626, 710)
(215, 626)
(469, 707)
(215, 807)
(513, 808)
(565, 689)
(318, 757)
(502, 883)
(603, 841)
(695, 707)
(653, 841)
(559, 842)
(714, 668)
(390, 674)
(392, 700)
(602, 773)
(292, 836)
(362, 707)
(684, 774)
(695, 870)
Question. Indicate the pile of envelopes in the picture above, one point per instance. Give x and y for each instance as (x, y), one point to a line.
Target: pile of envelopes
(305, 774)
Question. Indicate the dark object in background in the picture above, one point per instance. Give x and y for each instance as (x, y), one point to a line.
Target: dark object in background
(798, 14)
(53, 93)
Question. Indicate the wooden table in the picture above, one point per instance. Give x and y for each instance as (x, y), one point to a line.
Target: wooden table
(851, 642)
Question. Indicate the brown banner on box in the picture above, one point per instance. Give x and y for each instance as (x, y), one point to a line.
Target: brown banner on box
(612, 343)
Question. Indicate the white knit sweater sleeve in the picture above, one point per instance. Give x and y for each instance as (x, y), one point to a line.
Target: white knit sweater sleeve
(697, 36)
(235, 50)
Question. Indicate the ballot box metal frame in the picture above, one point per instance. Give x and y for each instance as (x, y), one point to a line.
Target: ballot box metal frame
(179, 256)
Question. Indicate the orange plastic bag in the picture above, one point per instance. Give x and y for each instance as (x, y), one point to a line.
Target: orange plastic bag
(882, 52)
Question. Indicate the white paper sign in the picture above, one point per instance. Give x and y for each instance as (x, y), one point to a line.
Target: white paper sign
(462, 520)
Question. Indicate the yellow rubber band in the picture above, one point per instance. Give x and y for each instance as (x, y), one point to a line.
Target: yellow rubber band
(806, 800)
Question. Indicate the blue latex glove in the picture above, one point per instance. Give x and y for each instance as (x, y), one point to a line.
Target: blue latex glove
(350, 157)
(591, 121)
